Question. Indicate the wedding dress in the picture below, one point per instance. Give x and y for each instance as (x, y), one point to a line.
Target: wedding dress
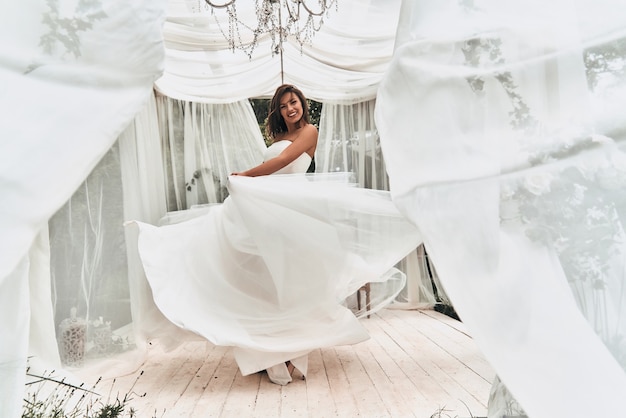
(268, 271)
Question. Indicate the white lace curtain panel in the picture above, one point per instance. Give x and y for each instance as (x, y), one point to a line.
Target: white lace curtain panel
(203, 143)
(349, 141)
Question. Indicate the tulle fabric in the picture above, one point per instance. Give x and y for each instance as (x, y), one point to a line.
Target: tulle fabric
(270, 269)
(502, 128)
(65, 96)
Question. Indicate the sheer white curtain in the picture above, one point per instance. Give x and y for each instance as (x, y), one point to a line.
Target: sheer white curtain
(349, 142)
(144, 198)
(203, 143)
(93, 274)
(104, 312)
(66, 96)
(515, 172)
(88, 266)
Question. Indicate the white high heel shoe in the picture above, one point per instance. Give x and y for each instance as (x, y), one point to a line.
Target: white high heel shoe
(279, 374)
(302, 364)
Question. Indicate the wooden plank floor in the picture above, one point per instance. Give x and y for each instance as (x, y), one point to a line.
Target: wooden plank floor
(416, 364)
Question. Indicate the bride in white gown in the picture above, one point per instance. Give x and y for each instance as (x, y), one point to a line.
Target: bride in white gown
(268, 271)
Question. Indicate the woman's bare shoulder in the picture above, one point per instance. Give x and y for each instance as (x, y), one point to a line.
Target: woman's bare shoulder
(309, 129)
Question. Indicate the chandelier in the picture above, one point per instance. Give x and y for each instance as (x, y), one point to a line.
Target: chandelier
(277, 19)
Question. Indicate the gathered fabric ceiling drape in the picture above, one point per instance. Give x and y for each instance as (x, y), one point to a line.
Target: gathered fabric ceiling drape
(344, 62)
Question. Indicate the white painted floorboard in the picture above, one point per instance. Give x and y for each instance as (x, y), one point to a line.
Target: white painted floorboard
(416, 364)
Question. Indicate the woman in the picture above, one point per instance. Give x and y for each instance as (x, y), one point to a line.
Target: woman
(288, 120)
(268, 271)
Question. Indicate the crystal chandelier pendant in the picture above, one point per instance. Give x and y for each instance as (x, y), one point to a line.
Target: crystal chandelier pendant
(276, 19)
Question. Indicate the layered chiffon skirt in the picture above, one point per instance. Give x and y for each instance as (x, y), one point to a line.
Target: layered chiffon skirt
(269, 270)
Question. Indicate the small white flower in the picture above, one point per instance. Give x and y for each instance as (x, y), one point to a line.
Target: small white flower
(506, 191)
(538, 183)
(579, 194)
(594, 213)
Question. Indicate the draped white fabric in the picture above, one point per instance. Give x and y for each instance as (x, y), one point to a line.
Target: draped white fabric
(203, 143)
(267, 270)
(344, 62)
(502, 128)
(349, 141)
(93, 269)
(66, 96)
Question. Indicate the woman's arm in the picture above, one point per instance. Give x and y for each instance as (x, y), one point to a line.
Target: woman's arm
(305, 142)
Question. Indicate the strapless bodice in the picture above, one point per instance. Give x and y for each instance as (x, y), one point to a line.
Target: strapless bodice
(299, 165)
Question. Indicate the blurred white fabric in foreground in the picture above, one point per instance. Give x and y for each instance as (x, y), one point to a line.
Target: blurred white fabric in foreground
(73, 75)
(503, 134)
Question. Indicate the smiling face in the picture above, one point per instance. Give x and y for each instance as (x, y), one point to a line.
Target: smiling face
(290, 108)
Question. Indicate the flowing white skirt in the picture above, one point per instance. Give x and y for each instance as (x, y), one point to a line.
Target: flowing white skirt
(268, 270)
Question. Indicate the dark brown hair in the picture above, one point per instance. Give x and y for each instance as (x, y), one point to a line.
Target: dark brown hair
(275, 122)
